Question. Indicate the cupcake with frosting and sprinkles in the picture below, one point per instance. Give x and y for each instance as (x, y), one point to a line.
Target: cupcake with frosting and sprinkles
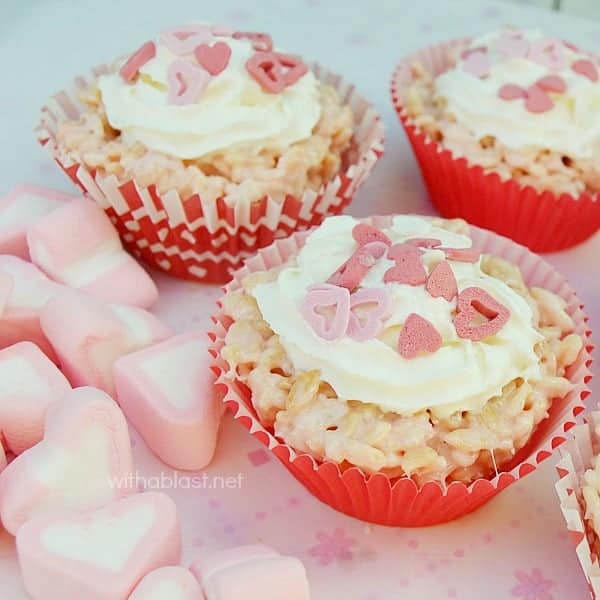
(506, 128)
(404, 369)
(208, 143)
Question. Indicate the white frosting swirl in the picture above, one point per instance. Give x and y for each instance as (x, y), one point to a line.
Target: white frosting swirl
(233, 111)
(462, 375)
(571, 127)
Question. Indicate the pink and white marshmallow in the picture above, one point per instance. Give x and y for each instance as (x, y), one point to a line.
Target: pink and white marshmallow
(78, 246)
(29, 384)
(27, 291)
(83, 462)
(100, 554)
(168, 583)
(19, 210)
(252, 572)
(167, 393)
(88, 336)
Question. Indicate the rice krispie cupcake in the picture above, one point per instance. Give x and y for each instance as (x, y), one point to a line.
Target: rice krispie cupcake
(207, 143)
(579, 492)
(396, 353)
(506, 131)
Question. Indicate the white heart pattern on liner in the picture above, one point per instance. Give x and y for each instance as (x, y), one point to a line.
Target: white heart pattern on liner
(83, 462)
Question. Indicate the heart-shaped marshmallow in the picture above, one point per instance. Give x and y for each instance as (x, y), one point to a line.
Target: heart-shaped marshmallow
(441, 282)
(474, 301)
(409, 269)
(369, 307)
(29, 384)
(30, 291)
(168, 583)
(331, 298)
(137, 60)
(98, 334)
(355, 269)
(78, 246)
(213, 58)
(84, 461)
(183, 40)
(418, 335)
(187, 82)
(586, 68)
(275, 71)
(21, 208)
(364, 234)
(100, 554)
(251, 572)
(167, 393)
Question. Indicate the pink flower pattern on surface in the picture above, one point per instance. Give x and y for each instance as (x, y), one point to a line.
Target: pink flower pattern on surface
(333, 547)
(532, 586)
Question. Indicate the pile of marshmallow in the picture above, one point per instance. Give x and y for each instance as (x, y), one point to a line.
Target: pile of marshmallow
(79, 356)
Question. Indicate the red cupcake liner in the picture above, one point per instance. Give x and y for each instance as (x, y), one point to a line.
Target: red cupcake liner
(203, 240)
(400, 501)
(577, 456)
(543, 221)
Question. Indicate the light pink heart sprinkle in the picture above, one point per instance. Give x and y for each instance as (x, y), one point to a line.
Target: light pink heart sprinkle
(548, 53)
(380, 303)
(418, 335)
(538, 100)
(183, 40)
(187, 82)
(477, 64)
(586, 68)
(552, 83)
(511, 91)
(466, 53)
(513, 45)
(326, 296)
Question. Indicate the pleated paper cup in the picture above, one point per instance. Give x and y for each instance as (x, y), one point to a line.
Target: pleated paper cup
(542, 221)
(577, 456)
(201, 239)
(401, 502)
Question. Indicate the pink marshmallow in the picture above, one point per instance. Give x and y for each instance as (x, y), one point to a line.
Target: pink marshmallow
(29, 384)
(168, 583)
(83, 462)
(88, 336)
(30, 291)
(167, 393)
(251, 572)
(100, 554)
(20, 209)
(77, 245)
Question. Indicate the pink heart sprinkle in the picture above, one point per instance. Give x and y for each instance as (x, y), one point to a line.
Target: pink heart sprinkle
(187, 81)
(213, 58)
(425, 242)
(548, 53)
(222, 30)
(326, 296)
(275, 71)
(510, 91)
(469, 255)
(441, 282)
(418, 335)
(380, 303)
(552, 83)
(364, 234)
(183, 40)
(538, 100)
(355, 269)
(409, 269)
(513, 45)
(586, 68)
(466, 53)
(473, 301)
(137, 60)
(261, 42)
(477, 64)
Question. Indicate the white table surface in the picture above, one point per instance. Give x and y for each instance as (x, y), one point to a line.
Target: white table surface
(516, 546)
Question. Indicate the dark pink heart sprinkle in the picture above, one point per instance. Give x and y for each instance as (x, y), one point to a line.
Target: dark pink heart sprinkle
(399, 250)
(473, 301)
(355, 269)
(213, 58)
(364, 234)
(552, 83)
(325, 297)
(570, 46)
(261, 42)
(409, 269)
(469, 255)
(424, 242)
(586, 68)
(441, 282)
(418, 335)
(538, 100)
(275, 71)
(138, 59)
(510, 91)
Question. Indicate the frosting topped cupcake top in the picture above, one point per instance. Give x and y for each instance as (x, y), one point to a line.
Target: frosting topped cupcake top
(198, 90)
(528, 90)
(403, 317)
